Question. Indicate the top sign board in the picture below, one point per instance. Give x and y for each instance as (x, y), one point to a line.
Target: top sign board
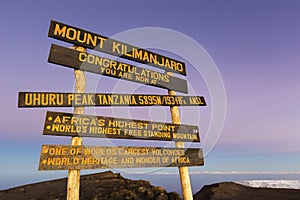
(101, 43)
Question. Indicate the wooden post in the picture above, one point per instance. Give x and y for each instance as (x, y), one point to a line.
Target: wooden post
(183, 171)
(73, 185)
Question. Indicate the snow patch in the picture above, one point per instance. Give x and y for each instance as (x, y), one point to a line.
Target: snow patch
(285, 184)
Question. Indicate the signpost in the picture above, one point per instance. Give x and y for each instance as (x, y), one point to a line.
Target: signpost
(73, 185)
(183, 171)
(55, 99)
(75, 157)
(68, 124)
(62, 157)
(108, 67)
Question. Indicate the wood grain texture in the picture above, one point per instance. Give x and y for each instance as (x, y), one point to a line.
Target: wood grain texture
(73, 59)
(84, 38)
(60, 99)
(63, 157)
(73, 185)
(68, 124)
(183, 170)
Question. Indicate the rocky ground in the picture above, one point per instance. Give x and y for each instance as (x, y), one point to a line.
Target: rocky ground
(100, 186)
(110, 186)
(233, 191)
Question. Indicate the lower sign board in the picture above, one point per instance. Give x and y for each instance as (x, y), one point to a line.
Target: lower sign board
(65, 157)
(52, 99)
(108, 67)
(69, 124)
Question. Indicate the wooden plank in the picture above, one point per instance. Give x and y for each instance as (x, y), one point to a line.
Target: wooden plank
(63, 157)
(101, 43)
(54, 99)
(68, 124)
(111, 68)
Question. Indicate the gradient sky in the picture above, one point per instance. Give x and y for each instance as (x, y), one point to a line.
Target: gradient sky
(255, 45)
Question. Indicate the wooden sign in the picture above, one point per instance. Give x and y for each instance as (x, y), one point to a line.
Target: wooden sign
(101, 43)
(107, 67)
(63, 157)
(69, 124)
(52, 99)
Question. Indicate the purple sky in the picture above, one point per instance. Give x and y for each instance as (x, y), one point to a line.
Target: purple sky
(255, 45)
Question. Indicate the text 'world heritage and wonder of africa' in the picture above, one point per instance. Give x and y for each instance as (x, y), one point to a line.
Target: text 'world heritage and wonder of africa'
(60, 157)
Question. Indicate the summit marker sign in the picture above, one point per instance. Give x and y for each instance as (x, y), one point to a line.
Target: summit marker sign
(104, 44)
(76, 156)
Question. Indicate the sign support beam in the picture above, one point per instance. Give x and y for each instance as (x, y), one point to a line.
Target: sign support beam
(73, 184)
(183, 171)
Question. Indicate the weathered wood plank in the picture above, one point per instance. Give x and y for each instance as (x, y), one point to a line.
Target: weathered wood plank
(57, 99)
(101, 43)
(62, 157)
(68, 124)
(107, 67)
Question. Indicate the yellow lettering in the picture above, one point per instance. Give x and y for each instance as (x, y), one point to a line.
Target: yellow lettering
(179, 67)
(70, 99)
(167, 63)
(71, 34)
(146, 57)
(28, 100)
(153, 58)
(102, 40)
(57, 119)
(116, 47)
(138, 54)
(65, 119)
(91, 40)
(81, 40)
(60, 31)
(82, 57)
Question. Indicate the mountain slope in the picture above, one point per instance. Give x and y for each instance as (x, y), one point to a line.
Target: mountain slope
(106, 185)
(234, 191)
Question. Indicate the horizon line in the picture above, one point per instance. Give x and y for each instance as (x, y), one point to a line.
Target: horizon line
(220, 172)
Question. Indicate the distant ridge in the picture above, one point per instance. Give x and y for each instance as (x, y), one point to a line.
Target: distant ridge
(99, 186)
(234, 191)
(287, 184)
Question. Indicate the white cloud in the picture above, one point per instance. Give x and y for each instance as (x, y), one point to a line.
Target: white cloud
(289, 184)
(217, 172)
